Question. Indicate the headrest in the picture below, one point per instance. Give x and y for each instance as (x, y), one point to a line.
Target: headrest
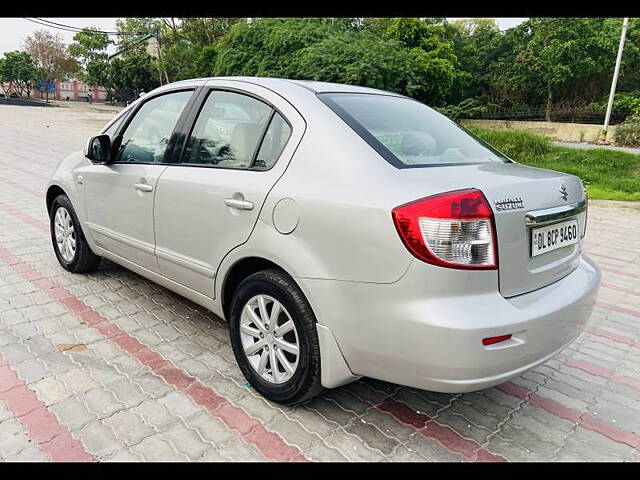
(417, 143)
(243, 142)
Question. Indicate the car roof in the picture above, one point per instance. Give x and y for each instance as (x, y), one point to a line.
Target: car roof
(281, 85)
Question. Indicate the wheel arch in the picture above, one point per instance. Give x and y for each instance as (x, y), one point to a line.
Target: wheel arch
(53, 191)
(334, 369)
(240, 270)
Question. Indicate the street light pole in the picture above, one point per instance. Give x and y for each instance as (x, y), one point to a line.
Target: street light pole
(615, 78)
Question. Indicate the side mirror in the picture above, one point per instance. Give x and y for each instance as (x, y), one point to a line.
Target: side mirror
(98, 149)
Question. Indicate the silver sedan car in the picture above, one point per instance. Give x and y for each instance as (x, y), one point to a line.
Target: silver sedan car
(341, 231)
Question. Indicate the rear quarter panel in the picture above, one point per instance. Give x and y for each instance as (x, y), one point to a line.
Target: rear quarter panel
(343, 193)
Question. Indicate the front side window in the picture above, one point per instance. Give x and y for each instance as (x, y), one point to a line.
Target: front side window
(407, 133)
(227, 131)
(111, 130)
(147, 135)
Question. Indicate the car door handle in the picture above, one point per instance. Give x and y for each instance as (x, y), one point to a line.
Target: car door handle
(143, 187)
(240, 204)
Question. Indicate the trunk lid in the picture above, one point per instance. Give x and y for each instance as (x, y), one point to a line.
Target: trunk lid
(514, 192)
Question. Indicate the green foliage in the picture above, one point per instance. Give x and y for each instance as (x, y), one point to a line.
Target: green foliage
(89, 47)
(607, 174)
(20, 69)
(516, 144)
(264, 47)
(88, 43)
(467, 108)
(625, 101)
(136, 72)
(543, 61)
(357, 59)
(420, 65)
(180, 60)
(206, 61)
(134, 28)
(628, 132)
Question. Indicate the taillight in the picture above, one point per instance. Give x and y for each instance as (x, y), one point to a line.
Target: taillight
(453, 229)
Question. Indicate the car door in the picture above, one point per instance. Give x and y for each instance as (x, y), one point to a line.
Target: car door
(239, 145)
(118, 197)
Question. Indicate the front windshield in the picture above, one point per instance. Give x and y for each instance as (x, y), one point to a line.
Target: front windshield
(408, 133)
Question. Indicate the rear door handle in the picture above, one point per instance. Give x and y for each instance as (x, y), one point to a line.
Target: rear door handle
(143, 187)
(240, 204)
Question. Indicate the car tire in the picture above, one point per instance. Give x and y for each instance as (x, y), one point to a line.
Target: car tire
(82, 259)
(304, 383)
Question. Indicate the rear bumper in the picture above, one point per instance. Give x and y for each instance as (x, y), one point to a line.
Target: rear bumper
(424, 332)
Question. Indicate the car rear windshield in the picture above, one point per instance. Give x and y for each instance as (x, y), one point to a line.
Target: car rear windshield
(407, 133)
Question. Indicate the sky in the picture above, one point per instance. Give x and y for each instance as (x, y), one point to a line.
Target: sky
(16, 30)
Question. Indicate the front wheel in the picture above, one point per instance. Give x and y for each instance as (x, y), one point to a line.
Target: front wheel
(274, 337)
(70, 245)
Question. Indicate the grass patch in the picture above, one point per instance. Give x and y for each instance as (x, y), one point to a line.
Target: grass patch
(607, 174)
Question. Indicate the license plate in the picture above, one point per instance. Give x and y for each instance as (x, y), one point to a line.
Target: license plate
(552, 237)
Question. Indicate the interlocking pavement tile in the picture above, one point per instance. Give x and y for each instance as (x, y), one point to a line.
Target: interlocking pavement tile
(128, 427)
(157, 449)
(592, 446)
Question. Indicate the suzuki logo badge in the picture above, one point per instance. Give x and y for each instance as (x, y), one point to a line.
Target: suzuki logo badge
(563, 191)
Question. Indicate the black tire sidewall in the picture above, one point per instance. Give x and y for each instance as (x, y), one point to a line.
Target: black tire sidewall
(295, 388)
(63, 201)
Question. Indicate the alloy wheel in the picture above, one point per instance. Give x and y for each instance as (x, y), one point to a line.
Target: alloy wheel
(269, 339)
(65, 234)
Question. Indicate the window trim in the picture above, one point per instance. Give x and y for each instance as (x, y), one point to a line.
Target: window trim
(190, 123)
(176, 129)
(384, 152)
(119, 118)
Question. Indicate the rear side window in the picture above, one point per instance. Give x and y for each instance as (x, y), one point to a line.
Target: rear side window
(407, 133)
(227, 131)
(273, 143)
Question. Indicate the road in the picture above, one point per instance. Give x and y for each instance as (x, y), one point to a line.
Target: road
(110, 366)
(585, 146)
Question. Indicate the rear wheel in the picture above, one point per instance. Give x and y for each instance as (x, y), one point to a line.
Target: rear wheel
(70, 245)
(274, 337)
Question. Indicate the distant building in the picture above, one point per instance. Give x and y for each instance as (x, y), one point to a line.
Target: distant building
(77, 91)
(71, 90)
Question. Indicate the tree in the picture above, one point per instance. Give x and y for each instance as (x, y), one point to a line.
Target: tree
(362, 59)
(51, 55)
(569, 57)
(88, 45)
(189, 45)
(433, 52)
(477, 44)
(138, 72)
(340, 51)
(19, 69)
(264, 47)
(131, 29)
(199, 31)
(90, 50)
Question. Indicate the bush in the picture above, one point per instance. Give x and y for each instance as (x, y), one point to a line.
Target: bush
(628, 133)
(622, 101)
(516, 144)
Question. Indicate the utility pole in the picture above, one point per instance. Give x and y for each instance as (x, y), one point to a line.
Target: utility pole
(612, 93)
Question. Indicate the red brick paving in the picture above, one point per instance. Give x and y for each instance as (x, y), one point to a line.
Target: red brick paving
(42, 426)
